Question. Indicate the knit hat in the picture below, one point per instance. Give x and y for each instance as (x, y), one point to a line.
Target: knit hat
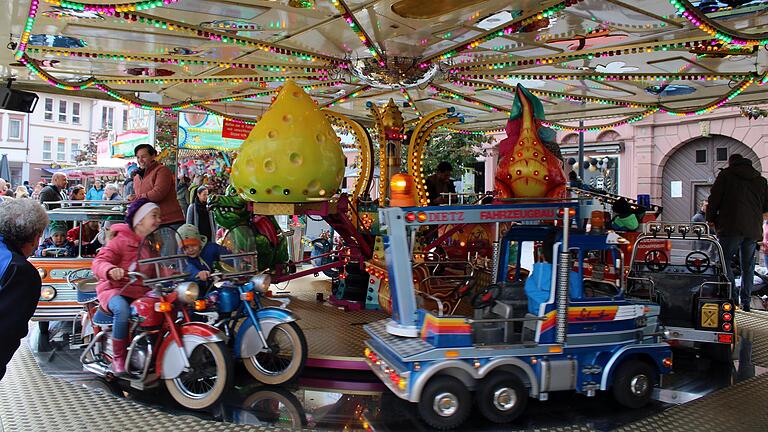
(57, 227)
(190, 235)
(137, 210)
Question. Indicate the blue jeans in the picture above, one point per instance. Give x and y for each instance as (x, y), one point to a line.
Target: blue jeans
(745, 247)
(121, 312)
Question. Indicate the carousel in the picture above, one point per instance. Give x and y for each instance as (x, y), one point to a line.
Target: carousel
(326, 110)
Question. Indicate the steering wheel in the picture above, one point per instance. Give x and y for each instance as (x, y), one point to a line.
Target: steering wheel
(656, 260)
(487, 297)
(697, 262)
(466, 287)
(435, 258)
(55, 251)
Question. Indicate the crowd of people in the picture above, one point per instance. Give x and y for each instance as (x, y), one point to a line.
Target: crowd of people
(98, 191)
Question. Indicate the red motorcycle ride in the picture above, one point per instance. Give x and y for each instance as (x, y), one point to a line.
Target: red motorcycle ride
(190, 358)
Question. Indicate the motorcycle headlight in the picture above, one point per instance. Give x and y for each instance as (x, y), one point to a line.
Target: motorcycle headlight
(261, 282)
(187, 292)
(47, 293)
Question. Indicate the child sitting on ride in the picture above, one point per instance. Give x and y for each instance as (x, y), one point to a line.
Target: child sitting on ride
(89, 230)
(539, 282)
(57, 244)
(626, 218)
(115, 291)
(203, 257)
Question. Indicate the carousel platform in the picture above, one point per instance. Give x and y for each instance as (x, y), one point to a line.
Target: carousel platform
(40, 394)
(334, 336)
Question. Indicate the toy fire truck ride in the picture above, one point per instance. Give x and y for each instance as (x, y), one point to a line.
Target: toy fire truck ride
(558, 332)
(681, 267)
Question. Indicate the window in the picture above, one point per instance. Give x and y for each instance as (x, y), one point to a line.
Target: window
(76, 113)
(74, 149)
(721, 154)
(107, 117)
(61, 149)
(125, 120)
(49, 109)
(62, 111)
(701, 156)
(14, 129)
(47, 144)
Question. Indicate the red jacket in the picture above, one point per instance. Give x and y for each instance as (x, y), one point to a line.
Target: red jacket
(122, 252)
(159, 186)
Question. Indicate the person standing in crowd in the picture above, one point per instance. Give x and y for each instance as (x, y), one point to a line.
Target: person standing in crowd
(54, 191)
(111, 193)
(199, 216)
(77, 193)
(128, 183)
(439, 183)
(35, 195)
(22, 222)
(700, 215)
(4, 187)
(28, 187)
(21, 192)
(156, 182)
(182, 189)
(736, 204)
(96, 192)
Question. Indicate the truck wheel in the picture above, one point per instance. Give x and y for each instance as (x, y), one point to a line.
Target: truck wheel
(633, 383)
(445, 403)
(502, 397)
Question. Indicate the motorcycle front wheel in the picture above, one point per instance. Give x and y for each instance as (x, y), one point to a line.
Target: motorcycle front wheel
(208, 378)
(284, 360)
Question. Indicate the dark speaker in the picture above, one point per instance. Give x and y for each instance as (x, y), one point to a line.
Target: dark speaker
(17, 100)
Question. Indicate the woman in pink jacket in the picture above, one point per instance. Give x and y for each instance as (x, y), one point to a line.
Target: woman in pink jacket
(119, 256)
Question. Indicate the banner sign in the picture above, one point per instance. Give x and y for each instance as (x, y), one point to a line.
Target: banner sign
(235, 130)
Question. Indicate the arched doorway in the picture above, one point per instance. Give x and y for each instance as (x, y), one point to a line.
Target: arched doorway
(691, 169)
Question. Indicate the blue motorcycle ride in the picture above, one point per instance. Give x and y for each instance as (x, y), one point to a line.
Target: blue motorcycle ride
(268, 339)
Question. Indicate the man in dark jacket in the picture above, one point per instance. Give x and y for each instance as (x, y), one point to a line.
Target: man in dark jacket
(736, 205)
(55, 191)
(21, 224)
(439, 183)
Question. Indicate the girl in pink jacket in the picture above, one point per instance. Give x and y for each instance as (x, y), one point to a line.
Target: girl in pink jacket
(119, 256)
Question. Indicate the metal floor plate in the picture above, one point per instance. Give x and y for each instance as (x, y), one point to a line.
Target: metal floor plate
(33, 401)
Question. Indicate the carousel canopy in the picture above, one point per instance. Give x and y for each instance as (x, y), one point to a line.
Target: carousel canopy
(604, 61)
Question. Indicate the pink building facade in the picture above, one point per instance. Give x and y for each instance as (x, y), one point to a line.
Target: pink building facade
(672, 159)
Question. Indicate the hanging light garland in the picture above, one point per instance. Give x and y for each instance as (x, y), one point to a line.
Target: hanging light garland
(628, 120)
(350, 19)
(140, 103)
(111, 9)
(473, 131)
(353, 94)
(223, 37)
(495, 63)
(208, 79)
(411, 103)
(697, 18)
(714, 105)
(450, 94)
(552, 94)
(172, 60)
(606, 77)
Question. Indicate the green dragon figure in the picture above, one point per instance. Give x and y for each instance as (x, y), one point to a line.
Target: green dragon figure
(246, 233)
